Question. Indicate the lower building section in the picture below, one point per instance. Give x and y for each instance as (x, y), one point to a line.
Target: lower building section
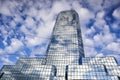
(41, 72)
(104, 68)
(89, 72)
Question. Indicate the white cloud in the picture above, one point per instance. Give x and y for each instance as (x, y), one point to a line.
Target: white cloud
(98, 40)
(107, 35)
(90, 31)
(12, 24)
(99, 55)
(8, 6)
(104, 37)
(1, 51)
(89, 51)
(110, 3)
(40, 51)
(17, 18)
(100, 15)
(58, 6)
(32, 11)
(33, 41)
(114, 47)
(22, 54)
(25, 30)
(6, 61)
(116, 13)
(85, 15)
(15, 46)
(89, 42)
(42, 34)
(29, 22)
(115, 25)
(82, 14)
(5, 10)
(99, 23)
(96, 5)
(75, 5)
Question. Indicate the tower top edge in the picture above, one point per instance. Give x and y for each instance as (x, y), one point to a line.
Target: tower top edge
(68, 11)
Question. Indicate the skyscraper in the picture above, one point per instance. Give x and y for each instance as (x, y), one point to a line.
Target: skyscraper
(65, 59)
(66, 44)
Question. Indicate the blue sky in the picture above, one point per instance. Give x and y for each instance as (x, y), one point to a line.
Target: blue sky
(26, 26)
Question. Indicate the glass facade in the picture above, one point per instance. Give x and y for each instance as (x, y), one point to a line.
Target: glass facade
(64, 59)
(89, 72)
(66, 44)
(65, 36)
(28, 69)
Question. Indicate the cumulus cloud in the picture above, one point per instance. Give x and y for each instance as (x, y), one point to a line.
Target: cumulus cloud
(15, 46)
(115, 25)
(116, 13)
(29, 22)
(56, 8)
(6, 60)
(100, 15)
(89, 42)
(83, 18)
(39, 51)
(98, 39)
(99, 55)
(101, 4)
(92, 4)
(90, 31)
(90, 51)
(1, 51)
(4, 8)
(114, 46)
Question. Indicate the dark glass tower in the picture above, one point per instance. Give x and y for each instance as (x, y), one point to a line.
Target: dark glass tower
(64, 59)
